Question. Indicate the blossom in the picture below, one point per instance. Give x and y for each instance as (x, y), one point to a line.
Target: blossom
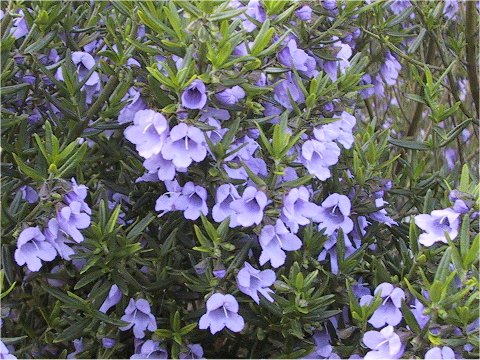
(222, 311)
(167, 202)
(19, 27)
(5, 352)
(330, 248)
(226, 193)
(135, 104)
(293, 57)
(113, 298)
(194, 96)
(343, 55)
(32, 248)
(57, 238)
(184, 145)
(381, 215)
(252, 281)
(138, 315)
(304, 13)
(323, 348)
(437, 353)
(450, 10)
(390, 69)
(150, 350)
(161, 168)
(288, 88)
(249, 208)
(79, 348)
(148, 132)
(192, 201)
(385, 344)
(275, 240)
(71, 219)
(108, 343)
(436, 224)
(389, 310)
(29, 194)
(78, 193)
(297, 209)
(195, 351)
(340, 130)
(317, 156)
(230, 96)
(256, 11)
(418, 311)
(334, 214)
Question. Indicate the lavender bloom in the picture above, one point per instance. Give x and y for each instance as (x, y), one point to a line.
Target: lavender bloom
(139, 315)
(318, 156)
(160, 168)
(148, 132)
(108, 343)
(437, 353)
(252, 281)
(113, 298)
(19, 28)
(222, 311)
(450, 11)
(136, 104)
(4, 352)
(323, 349)
(192, 201)
(167, 202)
(71, 219)
(298, 59)
(385, 344)
(390, 69)
(254, 10)
(436, 224)
(333, 67)
(57, 238)
(150, 350)
(230, 96)
(78, 193)
(340, 130)
(78, 346)
(297, 209)
(234, 168)
(194, 96)
(304, 13)
(330, 248)
(418, 310)
(286, 87)
(397, 6)
(226, 193)
(184, 145)
(334, 214)
(195, 351)
(389, 311)
(29, 194)
(381, 215)
(275, 240)
(32, 248)
(249, 208)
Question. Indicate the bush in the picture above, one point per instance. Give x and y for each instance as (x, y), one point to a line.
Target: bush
(262, 179)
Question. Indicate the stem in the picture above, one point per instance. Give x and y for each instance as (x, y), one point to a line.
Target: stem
(471, 27)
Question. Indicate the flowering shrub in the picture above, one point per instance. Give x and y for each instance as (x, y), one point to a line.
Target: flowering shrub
(201, 179)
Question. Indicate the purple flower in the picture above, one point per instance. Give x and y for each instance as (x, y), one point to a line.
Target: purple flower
(71, 219)
(249, 208)
(318, 156)
(230, 96)
(275, 240)
(194, 96)
(108, 343)
(418, 310)
(389, 311)
(381, 215)
(450, 12)
(192, 201)
(332, 67)
(304, 13)
(113, 298)
(385, 344)
(78, 193)
(297, 209)
(436, 224)
(19, 28)
(78, 346)
(390, 69)
(160, 168)
(340, 130)
(150, 350)
(226, 193)
(323, 348)
(29, 194)
(254, 10)
(437, 353)
(139, 315)
(222, 311)
(330, 248)
(334, 214)
(398, 6)
(136, 104)
(252, 281)
(57, 238)
(167, 202)
(288, 87)
(195, 351)
(148, 132)
(184, 145)
(4, 352)
(32, 248)
(295, 58)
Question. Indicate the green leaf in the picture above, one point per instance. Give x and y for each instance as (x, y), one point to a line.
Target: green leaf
(73, 331)
(27, 170)
(41, 43)
(409, 144)
(410, 318)
(13, 89)
(140, 226)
